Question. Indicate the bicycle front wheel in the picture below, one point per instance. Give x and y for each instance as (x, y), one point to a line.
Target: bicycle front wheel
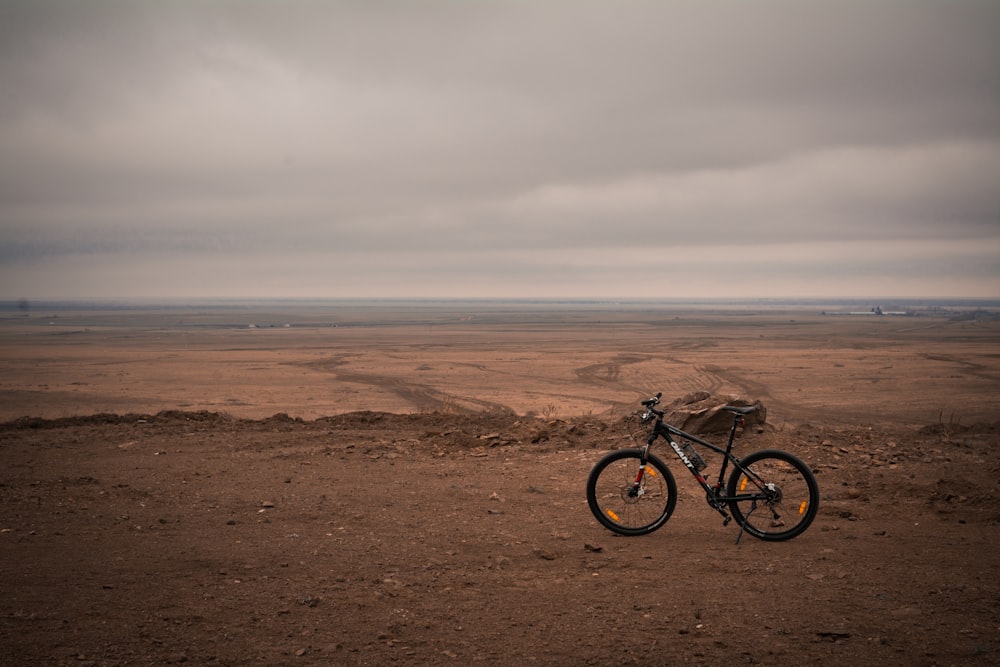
(627, 502)
(773, 495)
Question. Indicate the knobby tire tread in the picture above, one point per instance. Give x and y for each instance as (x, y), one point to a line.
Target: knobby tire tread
(600, 506)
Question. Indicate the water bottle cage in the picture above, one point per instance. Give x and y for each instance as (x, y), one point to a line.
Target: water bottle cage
(694, 457)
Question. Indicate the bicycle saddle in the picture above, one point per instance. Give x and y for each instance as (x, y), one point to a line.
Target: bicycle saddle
(740, 409)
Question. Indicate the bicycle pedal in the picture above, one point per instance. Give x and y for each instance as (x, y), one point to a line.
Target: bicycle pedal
(725, 521)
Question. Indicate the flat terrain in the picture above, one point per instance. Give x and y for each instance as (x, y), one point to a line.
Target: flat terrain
(537, 360)
(404, 485)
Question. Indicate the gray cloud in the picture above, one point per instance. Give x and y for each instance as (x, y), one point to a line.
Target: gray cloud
(498, 148)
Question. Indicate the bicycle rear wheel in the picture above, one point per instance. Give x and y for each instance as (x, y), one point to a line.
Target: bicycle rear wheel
(775, 497)
(624, 506)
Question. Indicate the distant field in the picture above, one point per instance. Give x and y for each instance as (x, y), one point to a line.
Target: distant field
(552, 359)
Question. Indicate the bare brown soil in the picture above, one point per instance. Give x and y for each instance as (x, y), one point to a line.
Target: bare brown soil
(186, 489)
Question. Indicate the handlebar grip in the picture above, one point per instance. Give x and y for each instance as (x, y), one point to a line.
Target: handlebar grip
(653, 401)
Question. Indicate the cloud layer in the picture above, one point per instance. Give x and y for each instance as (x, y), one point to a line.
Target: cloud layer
(499, 148)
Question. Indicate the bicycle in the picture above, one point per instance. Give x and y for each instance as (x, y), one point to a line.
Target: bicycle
(772, 494)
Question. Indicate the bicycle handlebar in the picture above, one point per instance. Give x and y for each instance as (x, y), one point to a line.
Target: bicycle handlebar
(653, 401)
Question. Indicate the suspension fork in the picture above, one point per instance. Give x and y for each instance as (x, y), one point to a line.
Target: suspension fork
(643, 452)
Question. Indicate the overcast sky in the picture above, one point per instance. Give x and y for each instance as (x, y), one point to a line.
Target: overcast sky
(495, 148)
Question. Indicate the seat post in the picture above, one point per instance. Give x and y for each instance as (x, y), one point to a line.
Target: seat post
(737, 421)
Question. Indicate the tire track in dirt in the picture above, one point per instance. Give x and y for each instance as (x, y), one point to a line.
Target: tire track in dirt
(609, 374)
(719, 379)
(687, 377)
(971, 368)
(749, 388)
(756, 390)
(644, 374)
(423, 397)
(677, 378)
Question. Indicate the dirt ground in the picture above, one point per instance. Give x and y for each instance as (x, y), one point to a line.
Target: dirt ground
(408, 488)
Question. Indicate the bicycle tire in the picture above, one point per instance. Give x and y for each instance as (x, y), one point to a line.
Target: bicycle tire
(617, 507)
(794, 497)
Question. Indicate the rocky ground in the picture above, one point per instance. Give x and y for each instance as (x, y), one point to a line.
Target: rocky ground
(437, 538)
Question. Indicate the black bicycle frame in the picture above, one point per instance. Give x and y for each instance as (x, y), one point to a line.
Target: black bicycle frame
(667, 432)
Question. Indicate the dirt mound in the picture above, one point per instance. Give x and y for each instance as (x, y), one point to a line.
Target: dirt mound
(104, 418)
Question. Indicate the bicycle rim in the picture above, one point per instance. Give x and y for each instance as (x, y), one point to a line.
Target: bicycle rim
(622, 507)
(777, 500)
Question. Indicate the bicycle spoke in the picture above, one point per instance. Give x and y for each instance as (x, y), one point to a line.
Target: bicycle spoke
(625, 506)
(775, 498)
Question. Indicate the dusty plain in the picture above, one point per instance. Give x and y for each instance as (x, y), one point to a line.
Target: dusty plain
(403, 483)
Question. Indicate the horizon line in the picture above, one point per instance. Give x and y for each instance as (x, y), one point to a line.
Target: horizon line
(16, 301)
